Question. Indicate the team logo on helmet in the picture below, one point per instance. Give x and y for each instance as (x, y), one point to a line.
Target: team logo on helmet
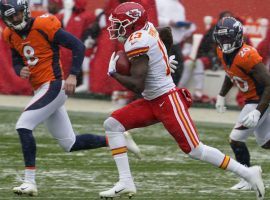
(134, 13)
(237, 24)
(20, 2)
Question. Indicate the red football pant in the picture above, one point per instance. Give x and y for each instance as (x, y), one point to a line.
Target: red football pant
(171, 109)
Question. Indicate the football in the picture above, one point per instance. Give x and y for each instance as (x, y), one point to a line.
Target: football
(122, 64)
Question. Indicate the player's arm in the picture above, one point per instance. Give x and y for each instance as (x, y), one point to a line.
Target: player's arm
(17, 61)
(138, 71)
(226, 86)
(18, 65)
(69, 41)
(262, 76)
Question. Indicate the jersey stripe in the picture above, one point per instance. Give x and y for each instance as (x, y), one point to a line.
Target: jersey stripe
(137, 52)
(161, 47)
(48, 97)
(187, 118)
(187, 125)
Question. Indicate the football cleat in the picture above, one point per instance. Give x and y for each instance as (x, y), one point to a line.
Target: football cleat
(120, 189)
(132, 146)
(256, 182)
(26, 188)
(243, 185)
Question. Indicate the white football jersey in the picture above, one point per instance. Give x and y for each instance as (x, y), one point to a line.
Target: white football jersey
(158, 79)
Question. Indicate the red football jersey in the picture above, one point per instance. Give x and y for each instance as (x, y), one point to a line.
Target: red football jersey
(239, 71)
(38, 50)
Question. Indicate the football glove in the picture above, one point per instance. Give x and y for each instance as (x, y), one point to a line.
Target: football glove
(112, 64)
(220, 104)
(252, 119)
(173, 63)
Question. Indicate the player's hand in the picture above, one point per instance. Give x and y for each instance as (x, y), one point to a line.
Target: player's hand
(173, 63)
(25, 72)
(220, 104)
(89, 42)
(252, 119)
(70, 84)
(112, 64)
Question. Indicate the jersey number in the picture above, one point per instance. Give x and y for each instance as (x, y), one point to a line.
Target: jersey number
(244, 51)
(29, 54)
(240, 83)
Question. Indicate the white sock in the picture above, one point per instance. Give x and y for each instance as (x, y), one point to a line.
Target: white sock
(117, 144)
(29, 175)
(217, 158)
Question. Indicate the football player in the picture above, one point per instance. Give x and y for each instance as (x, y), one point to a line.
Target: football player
(161, 102)
(35, 53)
(244, 68)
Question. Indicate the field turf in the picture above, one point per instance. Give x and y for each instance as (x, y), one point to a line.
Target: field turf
(164, 173)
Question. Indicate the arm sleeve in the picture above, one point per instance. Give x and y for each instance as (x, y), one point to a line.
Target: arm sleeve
(69, 41)
(17, 61)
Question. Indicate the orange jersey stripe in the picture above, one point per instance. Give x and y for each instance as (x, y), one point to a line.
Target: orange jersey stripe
(119, 151)
(184, 120)
(136, 52)
(168, 71)
(225, 162)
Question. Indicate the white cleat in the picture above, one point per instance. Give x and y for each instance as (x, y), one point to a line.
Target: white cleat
(132, 146)
(243, 185)
(257, 182)
(120, 189)
(26, 188)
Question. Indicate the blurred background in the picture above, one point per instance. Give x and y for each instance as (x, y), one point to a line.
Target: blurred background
(192, 23)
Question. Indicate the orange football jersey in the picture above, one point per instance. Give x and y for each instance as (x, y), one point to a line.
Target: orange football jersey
(239, 71)
(38, 50)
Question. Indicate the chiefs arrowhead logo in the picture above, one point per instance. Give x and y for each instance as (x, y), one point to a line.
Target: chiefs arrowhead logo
(134, 13)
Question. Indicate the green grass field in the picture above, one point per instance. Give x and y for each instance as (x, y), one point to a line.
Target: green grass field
(164, 172)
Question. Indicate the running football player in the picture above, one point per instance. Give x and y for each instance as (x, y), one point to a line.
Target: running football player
(244, 68)
(35, 53)
(161, 102)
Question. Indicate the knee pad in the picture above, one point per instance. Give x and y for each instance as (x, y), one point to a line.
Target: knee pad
(112, 125)
(198, 152)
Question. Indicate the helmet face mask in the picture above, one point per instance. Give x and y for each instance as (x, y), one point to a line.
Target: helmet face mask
(125, 19)
(118, 28)
(228, 34)
(15, 13)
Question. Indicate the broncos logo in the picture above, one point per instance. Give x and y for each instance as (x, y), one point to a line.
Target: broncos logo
(135, 13)
(20, 2)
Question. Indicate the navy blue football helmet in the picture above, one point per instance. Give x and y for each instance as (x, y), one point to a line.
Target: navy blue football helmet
(9, 8)
(228, 34)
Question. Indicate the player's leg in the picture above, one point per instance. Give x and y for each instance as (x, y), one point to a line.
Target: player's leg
(47, 99)
(238, 138)
(262, 131)
(179, 124)
(120, 121)
(60, 127)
